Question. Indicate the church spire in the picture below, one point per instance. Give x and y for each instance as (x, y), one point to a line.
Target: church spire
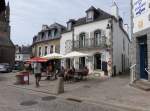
(7, 12)
(2, 6)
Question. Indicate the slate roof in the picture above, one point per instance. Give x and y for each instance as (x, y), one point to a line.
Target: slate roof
(91, 8)
(100, 15)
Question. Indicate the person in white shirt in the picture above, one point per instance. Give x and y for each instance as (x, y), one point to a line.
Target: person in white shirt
(37, 72)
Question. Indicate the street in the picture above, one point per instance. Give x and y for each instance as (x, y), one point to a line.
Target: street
(17, 99)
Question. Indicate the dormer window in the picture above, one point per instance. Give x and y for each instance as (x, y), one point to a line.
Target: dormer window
(55, 32)
(49, 34)
(70, 24)
(90, 14)
(43, 35)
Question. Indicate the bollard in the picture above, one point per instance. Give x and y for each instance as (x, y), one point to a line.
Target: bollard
(59, 88)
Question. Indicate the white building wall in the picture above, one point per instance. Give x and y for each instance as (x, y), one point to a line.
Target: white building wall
(118, 35)
(65, 37)
(91, 27)
(118, 49)
(22, 57)
(89, 30)
(63, 47)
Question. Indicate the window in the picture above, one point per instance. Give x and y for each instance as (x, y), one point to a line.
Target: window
(82, 40)
(49, 33)
(45, 50)
(123, 44)
(97, 38)
(55, 32)
(42, 35)
(90, 16)
(51, 49)
(40, 51)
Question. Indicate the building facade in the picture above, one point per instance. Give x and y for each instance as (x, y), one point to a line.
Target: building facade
(23, 53)
(47, 40)
(7, 48)
(100, 35)
(140, 50)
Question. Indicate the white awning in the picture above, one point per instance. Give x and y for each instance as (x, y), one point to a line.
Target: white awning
(75, 54)
(53, 56)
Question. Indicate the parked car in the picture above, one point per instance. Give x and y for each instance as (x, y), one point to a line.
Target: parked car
(18, 66)
(5, 67)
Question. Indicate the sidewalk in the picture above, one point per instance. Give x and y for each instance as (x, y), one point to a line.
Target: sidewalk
(113, 91)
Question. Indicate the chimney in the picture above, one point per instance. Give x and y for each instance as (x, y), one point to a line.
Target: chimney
(126, 28)
(115, 10)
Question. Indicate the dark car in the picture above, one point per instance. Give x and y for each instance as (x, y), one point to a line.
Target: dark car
(5, 67)
(18, 66)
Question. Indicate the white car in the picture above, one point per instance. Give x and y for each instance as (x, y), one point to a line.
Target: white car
(5, 67)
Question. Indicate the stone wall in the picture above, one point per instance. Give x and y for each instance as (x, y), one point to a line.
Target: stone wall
(7, 54)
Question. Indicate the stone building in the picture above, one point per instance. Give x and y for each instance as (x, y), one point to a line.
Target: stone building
(100, 35)
(140, 48)
(47, 40)
(23, 53)
(7, 48)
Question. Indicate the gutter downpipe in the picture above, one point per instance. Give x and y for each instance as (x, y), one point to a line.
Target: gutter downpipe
(133, 67)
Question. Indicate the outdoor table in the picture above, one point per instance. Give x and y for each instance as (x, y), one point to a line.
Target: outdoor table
(79, 74)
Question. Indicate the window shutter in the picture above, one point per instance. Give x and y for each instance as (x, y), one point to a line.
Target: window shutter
(86, 35)
(86, 39)
(103, 33)
(77, 37)
(91, 40)
(91, 34)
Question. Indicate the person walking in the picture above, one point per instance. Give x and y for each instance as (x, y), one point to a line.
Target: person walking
(37, 72)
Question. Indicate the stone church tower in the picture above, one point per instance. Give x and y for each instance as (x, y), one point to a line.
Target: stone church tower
(7, 48)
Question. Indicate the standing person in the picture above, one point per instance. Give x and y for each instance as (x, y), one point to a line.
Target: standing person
(49, 71)
(32, 66)
(37, 72)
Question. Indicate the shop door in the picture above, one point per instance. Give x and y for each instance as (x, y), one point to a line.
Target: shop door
(143, 59)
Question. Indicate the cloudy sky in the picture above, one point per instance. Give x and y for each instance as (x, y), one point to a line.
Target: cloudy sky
(27, 16)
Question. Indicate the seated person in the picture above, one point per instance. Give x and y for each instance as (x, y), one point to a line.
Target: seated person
(62, 72)
(86, 71)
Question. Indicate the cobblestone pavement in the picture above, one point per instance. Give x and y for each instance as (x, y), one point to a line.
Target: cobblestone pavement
(18, 99)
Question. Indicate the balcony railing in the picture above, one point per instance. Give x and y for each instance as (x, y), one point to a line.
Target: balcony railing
(89, 43)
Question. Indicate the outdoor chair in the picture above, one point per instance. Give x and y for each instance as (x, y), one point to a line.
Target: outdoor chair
(69, 77)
